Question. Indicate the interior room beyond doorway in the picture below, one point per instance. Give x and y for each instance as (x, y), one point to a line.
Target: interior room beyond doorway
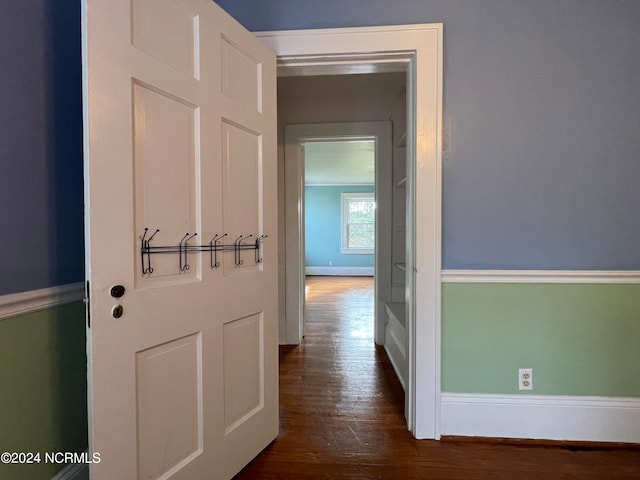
(370, 113)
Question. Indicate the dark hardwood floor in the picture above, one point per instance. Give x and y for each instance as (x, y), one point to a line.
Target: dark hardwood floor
(342, 413)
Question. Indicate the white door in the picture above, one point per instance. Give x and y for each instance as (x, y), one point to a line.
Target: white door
(179, 138)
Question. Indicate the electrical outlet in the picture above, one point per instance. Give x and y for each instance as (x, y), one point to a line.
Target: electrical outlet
(331, 263)
(525, 379)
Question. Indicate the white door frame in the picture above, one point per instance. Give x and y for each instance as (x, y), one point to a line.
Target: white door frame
(295, 136)
(349, 50)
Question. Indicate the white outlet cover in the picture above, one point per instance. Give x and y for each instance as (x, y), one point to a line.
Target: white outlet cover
(525, 379)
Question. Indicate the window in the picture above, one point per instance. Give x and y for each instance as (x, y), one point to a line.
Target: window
(358, 223)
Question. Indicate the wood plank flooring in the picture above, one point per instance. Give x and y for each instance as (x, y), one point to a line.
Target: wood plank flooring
(342, 413)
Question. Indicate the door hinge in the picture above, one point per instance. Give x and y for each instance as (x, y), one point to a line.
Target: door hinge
(87, 302)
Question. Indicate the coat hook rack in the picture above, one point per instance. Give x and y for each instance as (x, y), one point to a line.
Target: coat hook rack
(183, 248)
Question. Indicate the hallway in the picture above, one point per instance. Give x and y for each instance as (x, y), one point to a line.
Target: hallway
(342, 413)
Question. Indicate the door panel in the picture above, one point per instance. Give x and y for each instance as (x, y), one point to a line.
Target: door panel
(178, 149)
(169, 390)
(168, 31)
(243, 370)
(164, 157)
(242, 187)
(241, 76)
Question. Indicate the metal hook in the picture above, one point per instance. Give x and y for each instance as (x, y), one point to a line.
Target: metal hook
(257, 252)
(145, 249)
(238, 248)
(142, 244)
(183, 246)
(214, 250)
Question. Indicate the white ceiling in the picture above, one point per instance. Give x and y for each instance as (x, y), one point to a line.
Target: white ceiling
(340, 162)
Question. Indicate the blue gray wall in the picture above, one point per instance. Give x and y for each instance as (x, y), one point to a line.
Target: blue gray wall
(41, 149)
(323, 227)
(541, 111)
(541, 121)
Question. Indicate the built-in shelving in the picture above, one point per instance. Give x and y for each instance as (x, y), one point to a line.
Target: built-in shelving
(395, 307)
(396, 339)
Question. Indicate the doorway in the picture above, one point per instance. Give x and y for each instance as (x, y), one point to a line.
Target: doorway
(339, 205)
(418, 49)
(340, 164)
(292, 207)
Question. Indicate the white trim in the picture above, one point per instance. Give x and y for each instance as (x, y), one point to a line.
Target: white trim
(73, 471)
(593, 419)
(342, 271)
(541, 276)
(26, 302)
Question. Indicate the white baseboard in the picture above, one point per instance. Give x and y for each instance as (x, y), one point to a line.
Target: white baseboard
(73, 471)
(594, 419)
(342, 271)
(26, 302)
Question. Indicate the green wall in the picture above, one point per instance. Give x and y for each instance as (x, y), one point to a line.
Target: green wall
(43, 402)
(579, 339)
